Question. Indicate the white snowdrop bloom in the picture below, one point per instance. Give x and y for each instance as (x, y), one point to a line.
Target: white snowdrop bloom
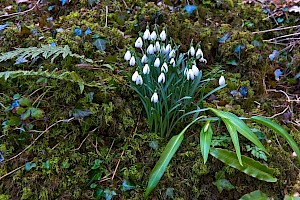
(134, 76)
(132, 61)
(168, 49)
(172, 62)
(146, 35)
(199, 54)
(190, 75)
(144, 58)
(195, 70)
(164, 68)
(192, 51)
(127, 55)
(163, 35)
(154, 98)
(146, 69)
(222, 81)
(157, 46)
(157, 62)
(138, 43)
(150, 49)
(203, 60)
(186, 70)
(153, 35)
(172, 54)
(161, 78)
(139, 80)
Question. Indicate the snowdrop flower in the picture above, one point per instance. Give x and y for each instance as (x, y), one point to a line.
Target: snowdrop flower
(153, 35)
(161, 78)
(150, 49)
(164, 68)
(139, 80)
(192, 51)
(144, 58)
(222, 81)
(157, 62)
(172, 62)
(132, 61)
(172, 54)
(190, 75)
(185, 72)
(203, 60)
(146, 35)
(195, 70)
(134, 76)
(199, 54)
(139, 43)
(168, 49)
(157, 46)
(127, 55)
(163, 35)
(154, 98)
(146, 69)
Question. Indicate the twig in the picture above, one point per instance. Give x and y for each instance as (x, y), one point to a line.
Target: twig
(287, 96)
(11, 172)
(21, 13)
(40, 135)
(112, 178)
(110, 148)
(276, 29)
(283, 36)
(82, 143)
(277, 114)
(106, 8)
(125, 3)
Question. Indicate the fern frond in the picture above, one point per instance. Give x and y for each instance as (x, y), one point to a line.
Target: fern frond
(45, 50)
(65, 76)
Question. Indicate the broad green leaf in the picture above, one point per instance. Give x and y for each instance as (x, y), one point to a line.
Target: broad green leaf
(240, 126)
(235, 139)
(280, 131)
(255, 195)
(287, 197)
(100, 44)
(36, 113)
(205, 140)
(250, 166)
(127, 185)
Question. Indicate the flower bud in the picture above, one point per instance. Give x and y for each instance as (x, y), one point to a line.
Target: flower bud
(139, 43)
(146, 69)
(168, 49)
(154, 98)
(150, 49)
(127, 55)
(153, 35)
(144, 59)
(146, 35)
(163, 35)
(157, 62)
(134, 76)
(222, 81)
(161, 78)
(164, 68)
(172, 62)
(157, 46)
(192, 51)
(199, 54)
(190, 75)
(172, 54)
(195, 70)
(132, 61)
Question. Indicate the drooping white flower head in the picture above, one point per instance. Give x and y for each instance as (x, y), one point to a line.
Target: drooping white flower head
(199, 54)
(154, 98)
(157, 46)
(161, 78)
(134, 76)
(168, 49)
(203, 60)
(127, 55)
(164, 67)
(172, 53)
(146, 35)
(195, 70)
(190, 75)
(139, 43)
(221, 80)
(153, 35)
(146, 69)
(150, 49)
(157, 62)
(185, 72)
(192, 51)
(144, 58)
(139, 80)
(172, 62)
(163, 35)
(132, 61)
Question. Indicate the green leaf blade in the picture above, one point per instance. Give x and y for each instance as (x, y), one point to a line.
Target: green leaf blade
(205, 140)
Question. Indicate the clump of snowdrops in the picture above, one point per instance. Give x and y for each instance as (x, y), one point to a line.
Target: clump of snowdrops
(169, 83)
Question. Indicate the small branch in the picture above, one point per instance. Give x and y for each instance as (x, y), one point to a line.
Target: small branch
(287, 96)
(20, 13)
(106, 8)
(82, 143)
(276, 29)
(277, 114)
(283, 36)
(11, 172)
(112, 178)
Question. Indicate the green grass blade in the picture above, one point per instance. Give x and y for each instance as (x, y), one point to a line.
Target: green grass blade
(235, 139)
(240, 126)
(250, 167)
(280, 131)
(205, 140)
(257, 195)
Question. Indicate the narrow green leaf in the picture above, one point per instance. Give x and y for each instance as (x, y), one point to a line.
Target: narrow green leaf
(280, 131)
(235, 139)
(251, 167)
(205, 140)
(257, 195)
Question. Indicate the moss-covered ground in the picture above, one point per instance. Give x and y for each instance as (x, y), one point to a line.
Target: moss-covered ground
(77, 143)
